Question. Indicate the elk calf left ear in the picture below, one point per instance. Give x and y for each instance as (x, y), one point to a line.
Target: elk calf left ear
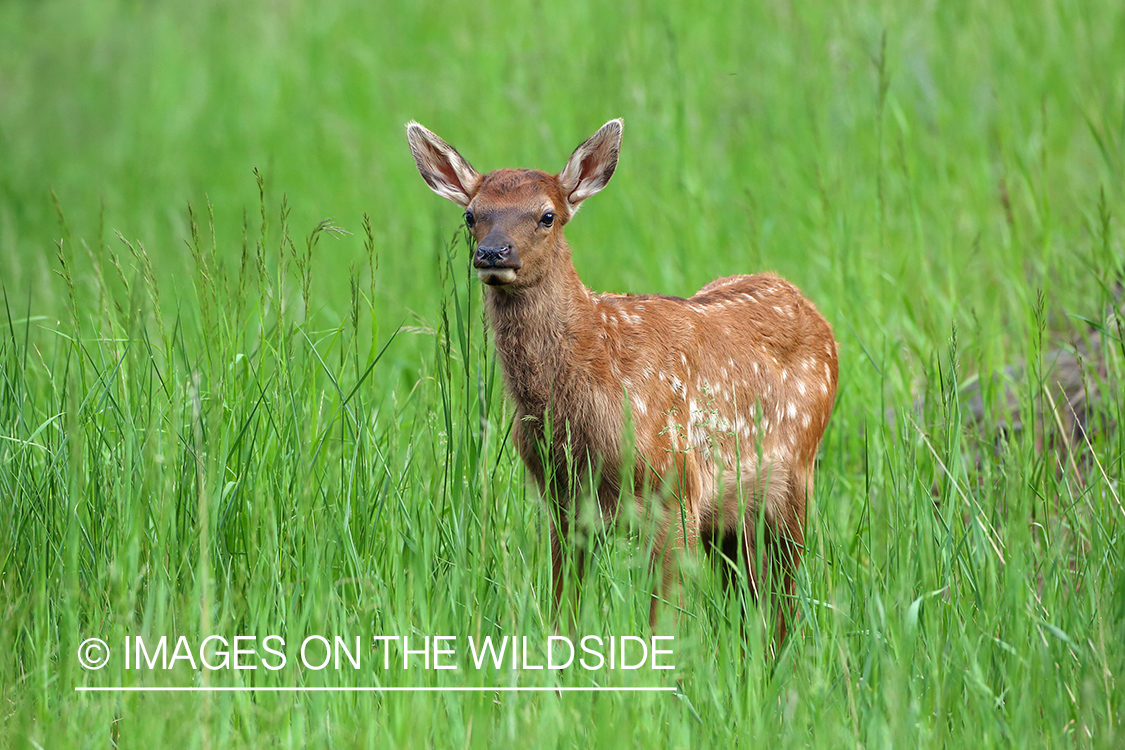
(592, 164)
(444, 170)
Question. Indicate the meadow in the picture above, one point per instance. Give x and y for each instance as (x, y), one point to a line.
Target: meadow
(247, 389)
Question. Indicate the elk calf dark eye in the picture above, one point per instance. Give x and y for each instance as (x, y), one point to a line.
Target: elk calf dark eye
(547, 219)
(470, 220)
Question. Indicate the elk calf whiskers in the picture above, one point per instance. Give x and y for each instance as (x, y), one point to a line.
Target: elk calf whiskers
(728, 392)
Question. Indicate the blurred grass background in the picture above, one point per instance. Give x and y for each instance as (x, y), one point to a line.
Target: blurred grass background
(199, 430)
(762, 136)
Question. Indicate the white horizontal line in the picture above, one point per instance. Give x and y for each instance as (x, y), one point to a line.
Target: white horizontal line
(366, 689)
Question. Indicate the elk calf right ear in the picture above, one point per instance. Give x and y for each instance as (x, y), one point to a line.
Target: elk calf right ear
(592, 164)
(444, 170)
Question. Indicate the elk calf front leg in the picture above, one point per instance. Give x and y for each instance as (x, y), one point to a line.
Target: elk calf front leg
(568, 561)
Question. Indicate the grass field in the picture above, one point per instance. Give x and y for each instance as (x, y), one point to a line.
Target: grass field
(223, 413)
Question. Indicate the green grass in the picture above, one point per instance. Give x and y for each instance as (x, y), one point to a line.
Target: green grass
(234, 418)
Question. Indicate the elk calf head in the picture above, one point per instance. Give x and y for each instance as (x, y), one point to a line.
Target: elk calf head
(516, 215)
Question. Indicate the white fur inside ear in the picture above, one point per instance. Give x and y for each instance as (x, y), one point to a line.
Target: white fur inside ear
(592, 164)
(446, 172)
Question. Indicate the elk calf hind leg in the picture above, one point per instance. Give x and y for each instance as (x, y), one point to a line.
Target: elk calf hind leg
(782, 558)
(678, 534)
(783, 537)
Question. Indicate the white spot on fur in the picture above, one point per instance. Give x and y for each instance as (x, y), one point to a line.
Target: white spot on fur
(779, 310)
(805, 421)
(784, 375)
(792, 411)
(801, 387)
(639, 405)
(824, 388)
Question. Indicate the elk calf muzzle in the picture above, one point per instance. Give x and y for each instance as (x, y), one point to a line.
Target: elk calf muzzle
(496, 262)
(496, 257)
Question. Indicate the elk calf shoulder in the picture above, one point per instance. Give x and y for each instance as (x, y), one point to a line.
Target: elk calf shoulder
(728, 392)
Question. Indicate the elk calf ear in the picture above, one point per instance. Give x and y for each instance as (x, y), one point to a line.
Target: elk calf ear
(592, 164)
(444, 170)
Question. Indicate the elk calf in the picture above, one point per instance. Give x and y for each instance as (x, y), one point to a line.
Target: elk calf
(728, 392)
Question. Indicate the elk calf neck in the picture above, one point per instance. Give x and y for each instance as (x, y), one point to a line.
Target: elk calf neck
(728, 392)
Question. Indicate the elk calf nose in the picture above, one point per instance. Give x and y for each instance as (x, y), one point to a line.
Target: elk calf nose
(493, 256)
